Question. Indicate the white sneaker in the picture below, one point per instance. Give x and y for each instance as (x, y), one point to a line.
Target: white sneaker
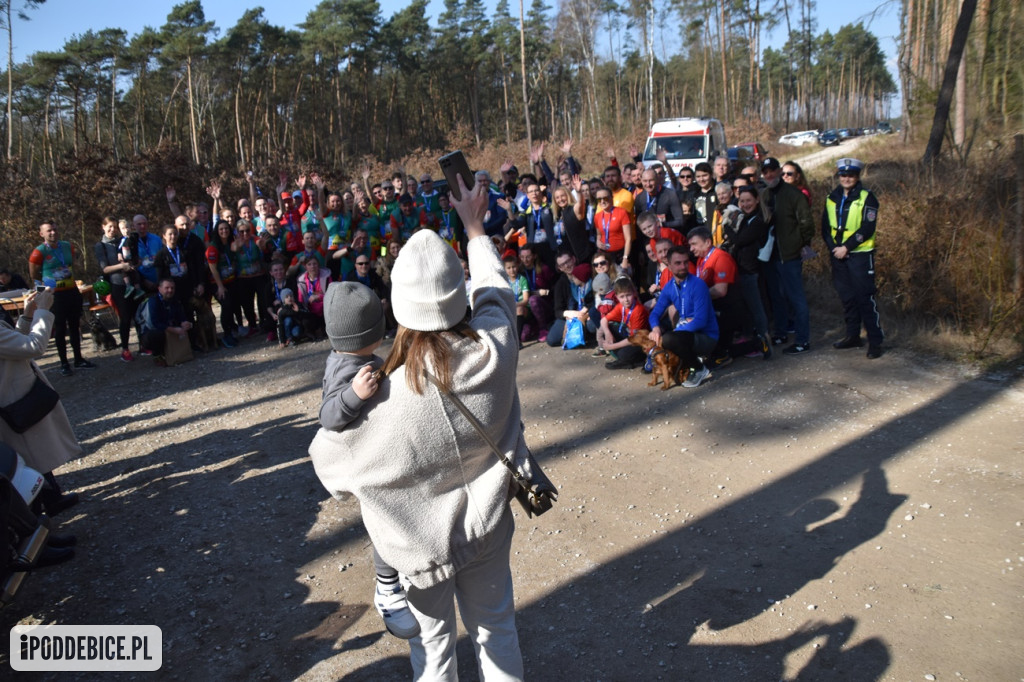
(393, 607)
(693, 381)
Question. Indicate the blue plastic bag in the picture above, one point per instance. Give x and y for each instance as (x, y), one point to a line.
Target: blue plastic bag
(573, 334)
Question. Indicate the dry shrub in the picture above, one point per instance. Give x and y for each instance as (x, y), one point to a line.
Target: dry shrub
(944, 246)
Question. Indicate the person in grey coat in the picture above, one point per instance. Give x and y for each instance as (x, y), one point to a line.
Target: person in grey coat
(434, 498)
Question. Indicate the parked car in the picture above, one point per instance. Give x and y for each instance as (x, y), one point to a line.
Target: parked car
(829, 138)
(753, 150)
(799, 139)
(884, 127)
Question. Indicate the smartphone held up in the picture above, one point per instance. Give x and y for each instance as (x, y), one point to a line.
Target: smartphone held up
(453, 165)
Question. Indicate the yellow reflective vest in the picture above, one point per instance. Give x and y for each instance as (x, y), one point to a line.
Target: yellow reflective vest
(853, 219)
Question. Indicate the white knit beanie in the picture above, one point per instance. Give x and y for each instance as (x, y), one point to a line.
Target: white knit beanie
(428, 285)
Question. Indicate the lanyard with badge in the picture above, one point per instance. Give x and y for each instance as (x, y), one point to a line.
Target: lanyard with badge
(703, 262)
(177, 270)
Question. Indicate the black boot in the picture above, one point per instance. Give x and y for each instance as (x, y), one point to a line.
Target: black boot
(51, 499)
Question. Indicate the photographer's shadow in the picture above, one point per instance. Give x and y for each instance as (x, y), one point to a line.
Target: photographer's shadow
(794, 548)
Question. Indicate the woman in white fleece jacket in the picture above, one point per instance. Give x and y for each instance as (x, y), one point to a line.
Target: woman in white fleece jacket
(434, 497)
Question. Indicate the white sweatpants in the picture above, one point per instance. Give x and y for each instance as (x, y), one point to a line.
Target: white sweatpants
(483, 589)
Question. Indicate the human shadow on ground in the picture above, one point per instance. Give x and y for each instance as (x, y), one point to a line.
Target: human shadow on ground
(215, 553)
(723, 568)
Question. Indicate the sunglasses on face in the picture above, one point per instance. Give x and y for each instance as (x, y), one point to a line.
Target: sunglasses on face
(603, 197)
(600, 263)
(686, 177)
(362, 262)
(788, 174)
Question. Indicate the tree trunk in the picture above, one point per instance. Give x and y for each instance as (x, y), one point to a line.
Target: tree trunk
(956, 51)
(522, 67)
(10, 79)
(191, 112)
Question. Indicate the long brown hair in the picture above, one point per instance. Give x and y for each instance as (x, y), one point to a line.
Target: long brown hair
(414, 348)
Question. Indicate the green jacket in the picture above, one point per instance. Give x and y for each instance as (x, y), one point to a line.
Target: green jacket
(791, 216)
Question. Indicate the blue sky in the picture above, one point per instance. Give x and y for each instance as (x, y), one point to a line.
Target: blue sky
(52, 23)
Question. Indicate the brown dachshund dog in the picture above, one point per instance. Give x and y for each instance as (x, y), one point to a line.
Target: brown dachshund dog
(665, 363)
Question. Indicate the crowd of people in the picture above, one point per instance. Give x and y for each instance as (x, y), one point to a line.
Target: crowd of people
(567, 241)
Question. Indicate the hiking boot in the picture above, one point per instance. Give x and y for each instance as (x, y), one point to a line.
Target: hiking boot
(874, 352)
(393, 607)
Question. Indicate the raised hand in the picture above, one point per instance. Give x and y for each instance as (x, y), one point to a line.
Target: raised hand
(506, 166)
(214, 189)
(282, 184)
(577, 183)
(567, 146)
(171, 194)
(633, 149)
(316, 180)
(662, 155)
(610, 152)
(302, 181)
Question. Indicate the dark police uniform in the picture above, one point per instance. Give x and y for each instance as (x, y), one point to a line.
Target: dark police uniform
(849, 220)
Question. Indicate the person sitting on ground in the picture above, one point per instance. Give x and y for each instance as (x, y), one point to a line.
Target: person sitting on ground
(573, 297)
(276, 285)
(624, 320)
(718, 270)
(540, 278)
(312, 285)
(520, 288)
(696, 333)
(159, 316)
(291, 318)
(10, 281)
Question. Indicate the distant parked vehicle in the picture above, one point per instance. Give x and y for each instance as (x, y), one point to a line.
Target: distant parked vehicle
(799, 139)
(847, 132)
(753, 150)
(884, 127)
(829, 138)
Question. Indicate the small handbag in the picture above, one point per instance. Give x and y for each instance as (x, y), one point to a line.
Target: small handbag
(535, 494)
(29, 410)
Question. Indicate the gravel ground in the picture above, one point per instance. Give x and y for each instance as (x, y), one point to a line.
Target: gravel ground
(821, 517)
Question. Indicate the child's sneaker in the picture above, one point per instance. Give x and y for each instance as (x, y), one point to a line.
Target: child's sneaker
(393, 607)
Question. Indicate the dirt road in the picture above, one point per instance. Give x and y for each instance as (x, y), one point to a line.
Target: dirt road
(821, 517)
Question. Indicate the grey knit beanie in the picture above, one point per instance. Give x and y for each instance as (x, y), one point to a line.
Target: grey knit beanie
(353, 315)
(428, 285)
(602, 284)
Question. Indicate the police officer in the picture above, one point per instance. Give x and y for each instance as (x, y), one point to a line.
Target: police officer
(848, 228)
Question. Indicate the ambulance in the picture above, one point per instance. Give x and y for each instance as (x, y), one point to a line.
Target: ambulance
(686, 141)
